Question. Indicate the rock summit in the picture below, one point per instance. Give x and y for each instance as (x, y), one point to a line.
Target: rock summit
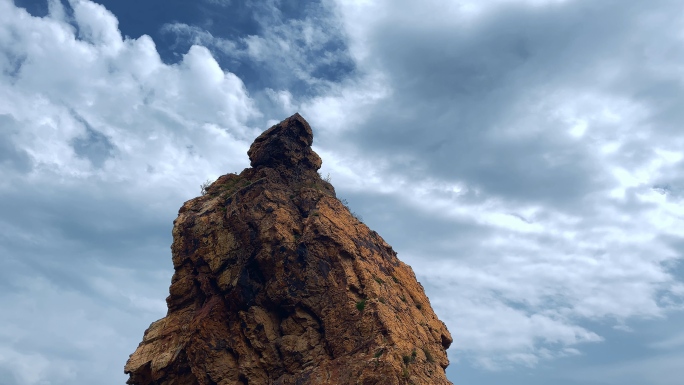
(276, 282)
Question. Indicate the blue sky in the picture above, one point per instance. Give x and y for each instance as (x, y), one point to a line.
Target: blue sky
(523, 156)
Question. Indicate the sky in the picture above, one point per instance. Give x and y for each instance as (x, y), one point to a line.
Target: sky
(525, 157)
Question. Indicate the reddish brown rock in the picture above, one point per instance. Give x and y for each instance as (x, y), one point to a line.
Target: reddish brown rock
(276, 282)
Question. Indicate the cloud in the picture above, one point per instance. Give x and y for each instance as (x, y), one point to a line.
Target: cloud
(533, 128)
(10, 155)
(101, 143)
(102, 90)
(507, 121)
(523, 156)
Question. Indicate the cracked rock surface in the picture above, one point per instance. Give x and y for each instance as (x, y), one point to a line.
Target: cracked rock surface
(276, 282)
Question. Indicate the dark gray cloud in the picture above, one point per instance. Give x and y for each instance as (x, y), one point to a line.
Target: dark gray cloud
(457, 90)
(90, 222)
(424, 233)
(93, 146)
(82, 268)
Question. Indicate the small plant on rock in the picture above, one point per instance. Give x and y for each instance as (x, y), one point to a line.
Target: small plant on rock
(204, 186)
(428, 356)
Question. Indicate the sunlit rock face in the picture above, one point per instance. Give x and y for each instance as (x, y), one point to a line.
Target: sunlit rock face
(276, 282)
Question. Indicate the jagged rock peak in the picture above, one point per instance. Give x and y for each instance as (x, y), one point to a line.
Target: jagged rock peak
(276, 282)
(288, 143)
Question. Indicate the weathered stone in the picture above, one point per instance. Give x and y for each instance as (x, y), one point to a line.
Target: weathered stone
(287, 143)
(276, 282)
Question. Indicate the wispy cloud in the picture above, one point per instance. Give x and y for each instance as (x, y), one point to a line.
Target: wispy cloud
(306, 54)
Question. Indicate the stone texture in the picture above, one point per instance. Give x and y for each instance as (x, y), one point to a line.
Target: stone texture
(276, 282)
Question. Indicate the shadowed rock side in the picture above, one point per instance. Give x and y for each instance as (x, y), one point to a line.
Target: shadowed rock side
(277, 283)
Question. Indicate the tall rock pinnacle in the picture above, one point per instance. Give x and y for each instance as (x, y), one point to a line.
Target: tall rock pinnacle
(276, 282)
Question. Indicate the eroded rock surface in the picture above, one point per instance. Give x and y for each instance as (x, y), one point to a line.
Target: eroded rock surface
(276, 282)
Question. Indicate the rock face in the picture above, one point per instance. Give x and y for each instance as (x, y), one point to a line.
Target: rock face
(276, 282)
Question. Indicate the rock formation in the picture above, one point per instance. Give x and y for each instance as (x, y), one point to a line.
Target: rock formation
(276, 282)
